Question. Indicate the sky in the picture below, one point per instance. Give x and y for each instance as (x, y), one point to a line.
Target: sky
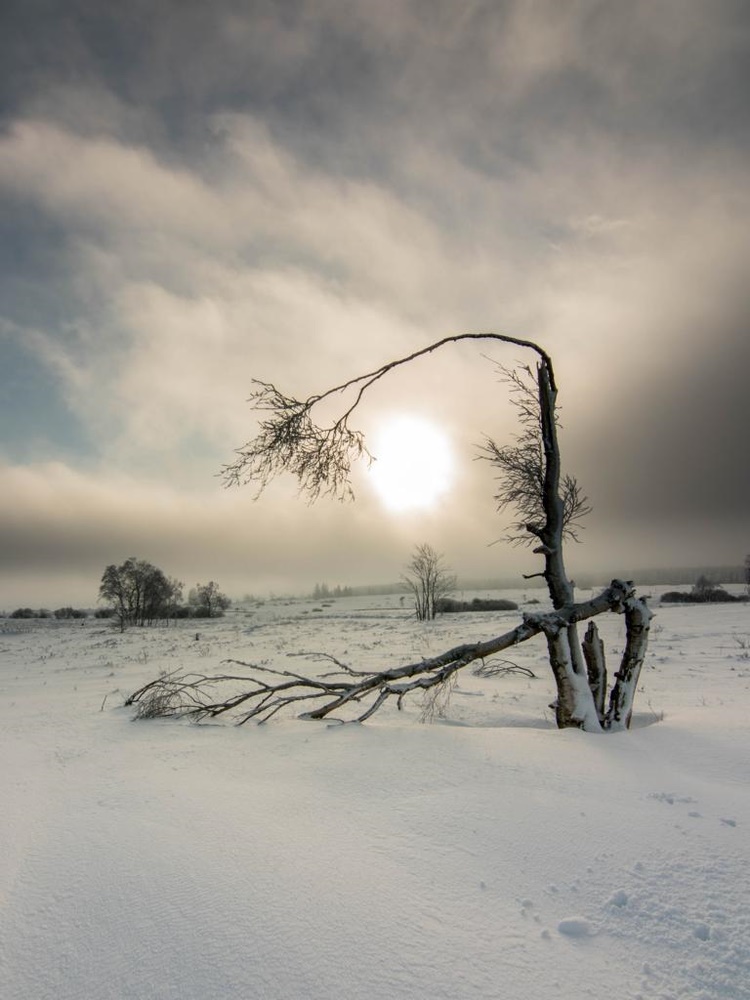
(194, 196)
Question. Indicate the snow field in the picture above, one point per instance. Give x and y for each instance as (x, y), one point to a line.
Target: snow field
(486, 855)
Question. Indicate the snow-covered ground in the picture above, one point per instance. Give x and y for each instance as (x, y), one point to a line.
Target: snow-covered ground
(484, 856)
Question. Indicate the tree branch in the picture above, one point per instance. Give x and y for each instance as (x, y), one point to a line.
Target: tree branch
(321, 457)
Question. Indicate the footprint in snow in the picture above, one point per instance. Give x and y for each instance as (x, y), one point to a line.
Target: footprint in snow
(577, 927)
(670, 798)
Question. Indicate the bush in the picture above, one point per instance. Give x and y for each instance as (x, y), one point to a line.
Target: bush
(712, 595)
(676, 597)
(69, 613)
(448, 606)
(24, 613)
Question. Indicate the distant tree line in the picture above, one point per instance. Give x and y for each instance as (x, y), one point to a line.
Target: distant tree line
(584, 581)
(61, 613)
(321, 591)
(139, 593)
(449, 606)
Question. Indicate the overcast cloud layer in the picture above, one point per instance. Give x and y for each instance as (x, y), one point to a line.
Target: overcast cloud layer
(198, 195)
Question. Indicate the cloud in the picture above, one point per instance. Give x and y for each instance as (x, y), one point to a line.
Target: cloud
(220, 194)
(61, 527)
(98, 182)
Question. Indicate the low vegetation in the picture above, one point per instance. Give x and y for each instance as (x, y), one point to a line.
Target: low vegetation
(449, 606)
(703, 592)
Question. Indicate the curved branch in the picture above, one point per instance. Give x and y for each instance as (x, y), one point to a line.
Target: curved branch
(321, 457)
(365, 381)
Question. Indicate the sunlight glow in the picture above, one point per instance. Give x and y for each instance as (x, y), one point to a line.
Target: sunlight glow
(413, 466)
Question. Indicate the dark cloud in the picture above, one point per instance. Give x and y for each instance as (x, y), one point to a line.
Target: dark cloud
(680, 452)
(495, 81)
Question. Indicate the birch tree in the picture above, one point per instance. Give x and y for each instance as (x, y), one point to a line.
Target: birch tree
(428, 580)
(548, 505)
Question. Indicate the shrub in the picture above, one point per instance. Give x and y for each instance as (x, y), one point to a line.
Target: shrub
(712, 595)
(676, 597)
(448, 606)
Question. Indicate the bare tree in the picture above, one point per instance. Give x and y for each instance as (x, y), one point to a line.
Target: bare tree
(320, 458)
(138, 592)
(428, 579)
(207, 601)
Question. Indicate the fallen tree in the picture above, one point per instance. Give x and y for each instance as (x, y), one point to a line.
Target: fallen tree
(549, 505)
(264, 691)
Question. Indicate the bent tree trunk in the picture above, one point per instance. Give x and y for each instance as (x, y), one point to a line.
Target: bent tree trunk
(320, 458)
(581, 689)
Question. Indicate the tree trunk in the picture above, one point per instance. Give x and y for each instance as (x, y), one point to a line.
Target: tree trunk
(637, 623)
(575, 702)
(593, 653)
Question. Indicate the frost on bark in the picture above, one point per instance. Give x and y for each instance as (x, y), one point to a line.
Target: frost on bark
(547, 503)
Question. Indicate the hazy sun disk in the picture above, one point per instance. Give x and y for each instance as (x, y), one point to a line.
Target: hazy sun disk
(413, 464)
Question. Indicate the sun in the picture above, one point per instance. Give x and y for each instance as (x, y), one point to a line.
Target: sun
(413, 464)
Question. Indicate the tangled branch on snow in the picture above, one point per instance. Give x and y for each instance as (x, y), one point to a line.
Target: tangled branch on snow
(501, 668)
